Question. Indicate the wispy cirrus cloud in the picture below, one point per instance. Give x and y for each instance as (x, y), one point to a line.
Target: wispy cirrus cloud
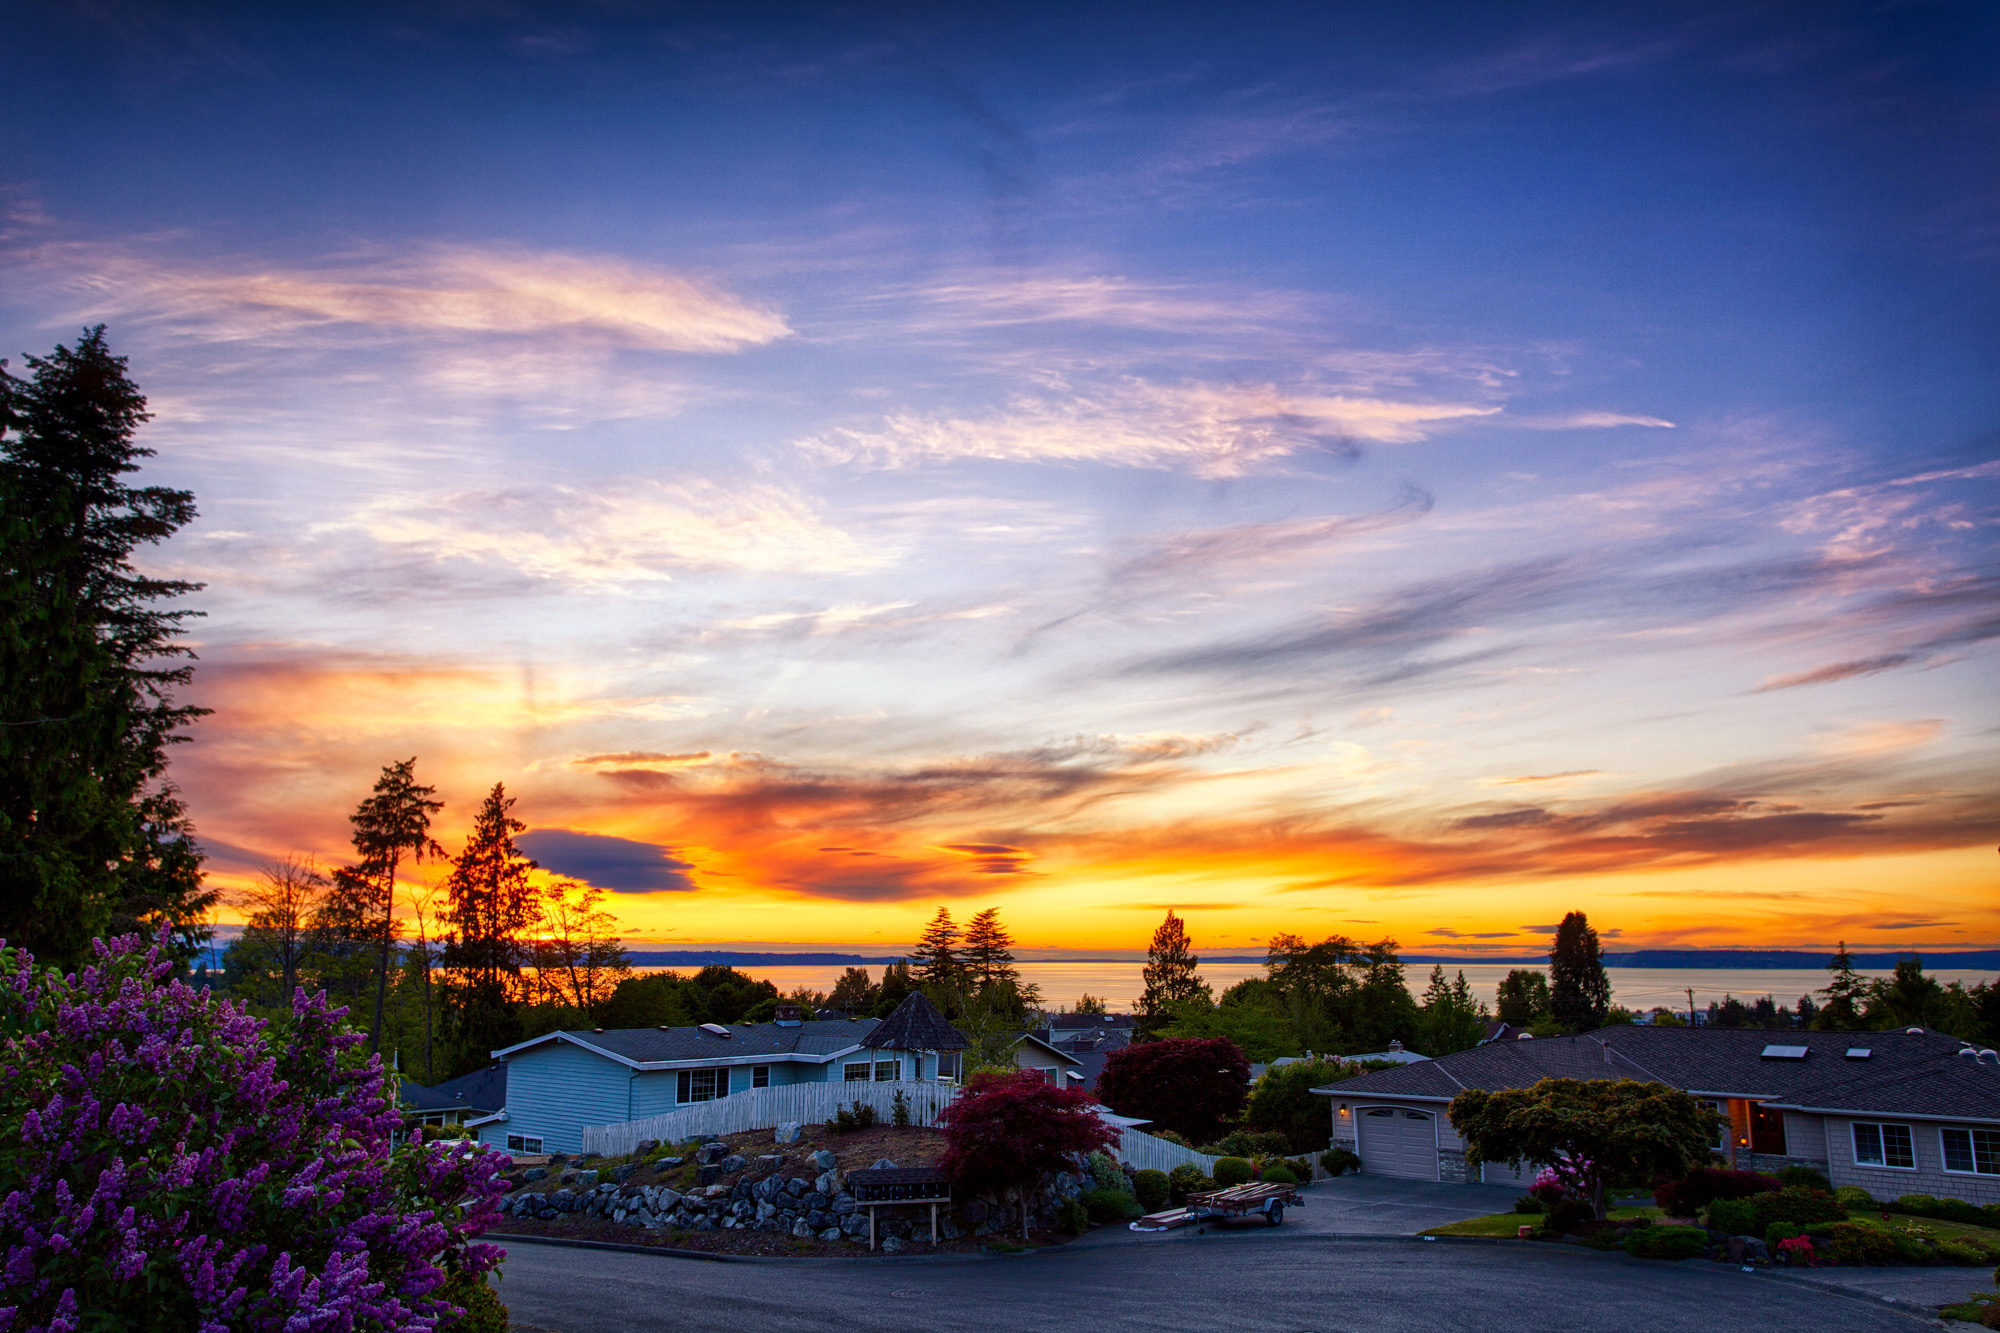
(633, 532)
(435, 289)
(1210, 430)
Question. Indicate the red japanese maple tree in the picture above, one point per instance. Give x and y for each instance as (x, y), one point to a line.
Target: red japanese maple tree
(1005, 1130)
(1193, 1086)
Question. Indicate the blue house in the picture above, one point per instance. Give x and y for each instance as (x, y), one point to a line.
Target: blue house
(558, 1083)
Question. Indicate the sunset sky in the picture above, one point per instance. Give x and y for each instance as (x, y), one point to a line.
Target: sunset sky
(1400, 470)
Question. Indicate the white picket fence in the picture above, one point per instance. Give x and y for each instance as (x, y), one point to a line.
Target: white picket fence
(767, 1108)
(816, 1103)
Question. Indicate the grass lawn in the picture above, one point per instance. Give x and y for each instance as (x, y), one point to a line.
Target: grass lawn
(1508, 1224)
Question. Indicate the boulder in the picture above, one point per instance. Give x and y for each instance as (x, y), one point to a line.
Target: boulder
(766, 1211)
(844, 1204)
(803, 1229)
(740, 1190)
(816, 1199)
(796, 1187)
(708, 1174)
(897, 1227)
(665, 1200)
(788, 1131)
(882, 1163)
(977, 1211)
(585, 1178)
(534, 1173)
(769, 1162)
(558, 1159)
(646, 1146)
(701, 1224)
(819, 1219)
(716, 1191)
(766, 1188)
(1745, 1249)
(831, 1233)
(733, 1163)
(949, 1229)
(829, 1184)
(623, 1172)
(586, 1157)
(824, 1160)
(855, 1225)
(893, 1245)
(712, 1152)
(669, 1163)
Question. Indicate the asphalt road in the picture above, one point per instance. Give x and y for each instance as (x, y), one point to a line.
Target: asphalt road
(1236, 1282)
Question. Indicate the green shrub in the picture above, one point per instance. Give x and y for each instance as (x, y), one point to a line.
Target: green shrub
(1339, 1161)
(1964, 1253)
(1528, 1203)
(847, 1120)
(1108, 1175)
(1250, 1143)
(1854, 1197)
(1152, 1189)
(1853, 1243)
(1109, 1205)
(899, 1110)
(1186, 1179)
(1171, 1136)
(1672, 1243)
(483, 1311)
(1946, 1210)
(1750, 1216)
(1075, 1217)
(1807, 1177)
(1279, 1174)
(1232, 1171)
(1567, 1217)
(1733, 1217)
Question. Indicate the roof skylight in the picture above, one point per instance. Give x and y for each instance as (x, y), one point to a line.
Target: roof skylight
(1785, 1052)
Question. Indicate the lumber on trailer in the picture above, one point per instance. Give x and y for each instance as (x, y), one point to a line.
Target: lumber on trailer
(1167, 1221)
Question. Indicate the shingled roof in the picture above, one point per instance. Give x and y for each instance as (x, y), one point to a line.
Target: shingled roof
(916, 1025)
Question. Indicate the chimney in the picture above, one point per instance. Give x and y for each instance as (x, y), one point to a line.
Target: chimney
(790, 1016)
(1395, 1045)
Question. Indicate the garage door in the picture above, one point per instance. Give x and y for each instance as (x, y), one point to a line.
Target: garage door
(1499, 1173)
(1396, 1141)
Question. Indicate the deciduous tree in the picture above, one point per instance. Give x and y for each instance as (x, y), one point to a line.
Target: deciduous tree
(1598, 1132)
(1282, 1101)
(1005, 1130)
(1193, 1087)
(1523, 997)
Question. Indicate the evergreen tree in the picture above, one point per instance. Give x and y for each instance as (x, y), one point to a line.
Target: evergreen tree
(489, 908)
(394, 822)
(1845, 993)
(1523, 997)
(1087, 1003)
(897, 984)
(987, 950)
(1171, 980)
(1453, 1019)
(93, 838)
(937, 962)
(1579, 991)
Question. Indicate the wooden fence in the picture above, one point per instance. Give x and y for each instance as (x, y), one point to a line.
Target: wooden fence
(767, 1108)
(1142, 1151)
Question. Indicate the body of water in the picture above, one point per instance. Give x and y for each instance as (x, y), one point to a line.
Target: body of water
(1641, 988)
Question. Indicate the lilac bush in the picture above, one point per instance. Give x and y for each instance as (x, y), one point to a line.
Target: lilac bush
(168, 1162)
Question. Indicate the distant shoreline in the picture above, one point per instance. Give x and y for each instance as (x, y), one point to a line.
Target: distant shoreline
(1770, 959)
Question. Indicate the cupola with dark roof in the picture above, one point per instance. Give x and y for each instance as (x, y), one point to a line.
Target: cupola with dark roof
(915, 1025)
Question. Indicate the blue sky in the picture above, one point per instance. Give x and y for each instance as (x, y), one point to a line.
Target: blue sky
(1393, 469)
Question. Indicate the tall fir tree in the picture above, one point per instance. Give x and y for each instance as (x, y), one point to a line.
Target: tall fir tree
(391, 825)
(1579, 990)
(94, 839)
(488, 911)
(937, 964)
(1846, 992)
(987, 951)
(1170, 976)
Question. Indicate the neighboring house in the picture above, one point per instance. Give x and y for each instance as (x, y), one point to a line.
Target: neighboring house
(558, 1083)
(1090, 1038)
(1394, 1055)
(1905, 1112)
(1050, 1061)
(458, 1100)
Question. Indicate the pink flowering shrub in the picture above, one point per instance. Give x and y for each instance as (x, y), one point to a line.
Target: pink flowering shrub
(168, 1162)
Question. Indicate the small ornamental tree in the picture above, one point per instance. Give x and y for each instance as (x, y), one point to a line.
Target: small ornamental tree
(169, 1163)
(1005, 1130)
(1283, 1102)
(1194, 1087)
(1591, 1132)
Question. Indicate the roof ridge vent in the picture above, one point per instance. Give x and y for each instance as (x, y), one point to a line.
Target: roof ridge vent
(1913, 1032)
(718, 1030)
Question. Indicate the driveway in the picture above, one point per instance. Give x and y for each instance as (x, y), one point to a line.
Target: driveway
(1349, 1206)
(1245, 1282)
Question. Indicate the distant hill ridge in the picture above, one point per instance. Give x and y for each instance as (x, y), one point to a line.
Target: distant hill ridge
(1745, 958)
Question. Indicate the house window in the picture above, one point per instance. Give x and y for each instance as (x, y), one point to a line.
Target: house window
(523, 1143)
(1972, 1151)
(947, 1064)
(1885, 1145)
(703, 1085)
(860, 1073)
(888, 1071)
(760, 1076)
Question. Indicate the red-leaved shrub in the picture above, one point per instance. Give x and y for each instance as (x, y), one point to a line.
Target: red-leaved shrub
(1704, 1185)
